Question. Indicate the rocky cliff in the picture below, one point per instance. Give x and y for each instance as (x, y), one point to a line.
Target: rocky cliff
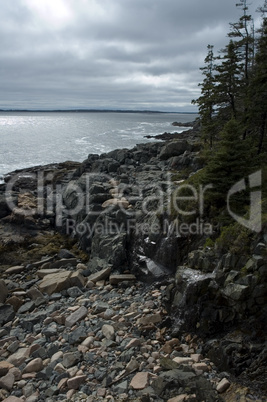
(115, 214)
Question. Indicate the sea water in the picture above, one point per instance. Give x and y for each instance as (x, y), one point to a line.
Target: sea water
(38, 138)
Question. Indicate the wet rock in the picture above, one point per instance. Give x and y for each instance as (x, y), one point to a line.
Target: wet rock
(235, 291)
(153, 271)
(110, 247)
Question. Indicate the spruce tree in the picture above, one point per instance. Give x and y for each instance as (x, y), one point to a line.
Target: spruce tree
(258, 91)
(227, 165)
(243, 32)
(228, 80)
(206, 101)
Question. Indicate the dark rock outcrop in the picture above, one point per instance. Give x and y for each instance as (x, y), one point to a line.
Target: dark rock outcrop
(116, 206)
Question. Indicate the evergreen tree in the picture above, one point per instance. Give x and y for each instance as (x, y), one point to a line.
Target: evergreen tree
(228, 165)
(243, 32)
(228, 80)
(258, 90)
(206, 101)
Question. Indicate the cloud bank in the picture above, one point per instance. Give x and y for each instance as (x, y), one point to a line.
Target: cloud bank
(109, 54)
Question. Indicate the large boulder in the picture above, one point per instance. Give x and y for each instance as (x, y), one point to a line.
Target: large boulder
(174, 148)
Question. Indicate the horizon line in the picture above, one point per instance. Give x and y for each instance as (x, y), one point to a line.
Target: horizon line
(92, 110)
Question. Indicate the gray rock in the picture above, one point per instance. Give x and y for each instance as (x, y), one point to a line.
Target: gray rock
(110, 247)
(28, 322)
(7, 313)
(78, 335)
(49, 331)
(63, 254)
(260, 249)
(7, 381)
(71, 358)
(3, 291)
(76, 316)
(174, 148)
(122, 387)
(100, 307)
(235, 291)
(180, 376)
(74, 292)
(26, 307)
(108, 332)
(100, 275)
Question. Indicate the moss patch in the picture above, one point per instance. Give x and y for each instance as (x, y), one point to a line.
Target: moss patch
(32, 249)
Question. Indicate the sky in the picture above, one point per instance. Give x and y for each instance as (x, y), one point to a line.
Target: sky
(109, 54)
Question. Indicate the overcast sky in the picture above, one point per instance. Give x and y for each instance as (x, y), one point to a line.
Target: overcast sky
(109, 54)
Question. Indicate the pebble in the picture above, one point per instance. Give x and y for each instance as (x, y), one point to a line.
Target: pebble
(7, 381)
(34, 366)
(95, 343)
(76, 316)
(223, 385)
(108, 332)
(140, 380)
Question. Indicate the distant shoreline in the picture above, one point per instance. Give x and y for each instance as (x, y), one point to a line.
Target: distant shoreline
(89, 111)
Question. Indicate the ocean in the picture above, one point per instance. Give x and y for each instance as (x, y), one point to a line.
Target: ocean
(38, 138)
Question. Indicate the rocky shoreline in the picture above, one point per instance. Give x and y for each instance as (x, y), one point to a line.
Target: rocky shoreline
(101, 299)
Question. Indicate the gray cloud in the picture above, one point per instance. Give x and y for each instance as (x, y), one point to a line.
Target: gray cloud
(138, 54)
